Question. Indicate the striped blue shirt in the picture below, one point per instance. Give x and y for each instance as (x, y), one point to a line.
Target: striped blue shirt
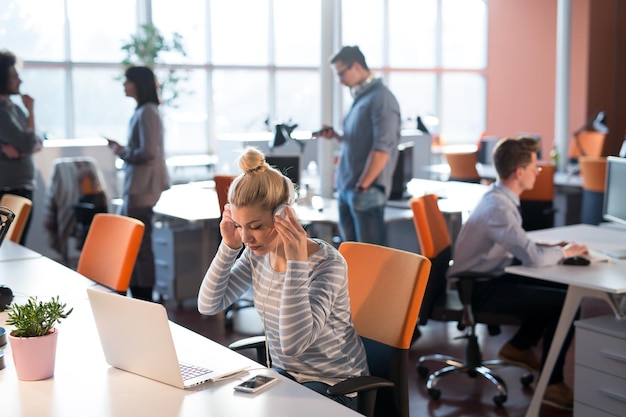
(305, 310)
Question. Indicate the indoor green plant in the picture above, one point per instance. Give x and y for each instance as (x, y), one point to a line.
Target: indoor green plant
(34, 337)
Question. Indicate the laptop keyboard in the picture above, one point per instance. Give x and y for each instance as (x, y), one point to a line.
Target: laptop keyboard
(192, 371)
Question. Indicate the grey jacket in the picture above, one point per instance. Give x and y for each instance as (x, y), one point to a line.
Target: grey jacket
(145, 171)
(20, 172)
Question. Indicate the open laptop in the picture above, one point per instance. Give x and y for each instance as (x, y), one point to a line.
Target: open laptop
(135, 336)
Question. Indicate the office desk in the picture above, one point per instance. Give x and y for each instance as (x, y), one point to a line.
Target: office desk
(324, 212)
(561, 179)
(84, 384)
(456, 200)
(185, 238)
(454, 196)
(600, 280)
(11, 251)
(567, 193)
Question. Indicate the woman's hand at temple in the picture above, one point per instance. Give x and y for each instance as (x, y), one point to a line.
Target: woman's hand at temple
(293, 235)
(230, 234)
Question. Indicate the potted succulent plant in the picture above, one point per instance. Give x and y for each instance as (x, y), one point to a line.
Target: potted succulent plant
(34, 338)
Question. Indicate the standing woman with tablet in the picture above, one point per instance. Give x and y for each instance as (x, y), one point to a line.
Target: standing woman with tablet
(145, 173)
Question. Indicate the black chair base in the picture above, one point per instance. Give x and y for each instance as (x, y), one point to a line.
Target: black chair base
(473, 366)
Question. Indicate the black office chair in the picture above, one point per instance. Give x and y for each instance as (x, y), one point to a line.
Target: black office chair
(74, 195)
(84, 211)
(6, 218)
(454, 305)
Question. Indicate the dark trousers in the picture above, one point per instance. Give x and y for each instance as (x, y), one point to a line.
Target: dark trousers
(23, 192)
(537, 303)
(143, 277)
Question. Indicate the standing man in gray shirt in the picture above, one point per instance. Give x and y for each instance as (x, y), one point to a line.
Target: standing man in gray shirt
(492, 239)
(369, 149)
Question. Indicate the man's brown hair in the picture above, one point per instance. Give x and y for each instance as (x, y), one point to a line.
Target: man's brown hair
(512, 153)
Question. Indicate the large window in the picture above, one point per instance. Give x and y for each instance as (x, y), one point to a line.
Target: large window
(249, 63)
(433, 54)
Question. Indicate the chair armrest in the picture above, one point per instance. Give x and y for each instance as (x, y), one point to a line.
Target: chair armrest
(366, 386)
(253, 342)
(359, 384)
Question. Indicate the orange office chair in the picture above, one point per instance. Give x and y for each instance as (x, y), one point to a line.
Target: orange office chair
(593, 173)
(384, 312)
(222, 183)
(537, 205)
(449, 305)
(110, 250)
(586, 143)
(21, 207)
(463, 167)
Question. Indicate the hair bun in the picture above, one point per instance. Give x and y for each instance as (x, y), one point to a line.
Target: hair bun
(252, 160)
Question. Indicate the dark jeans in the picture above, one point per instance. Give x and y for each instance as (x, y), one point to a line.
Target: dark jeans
(143, 277)
(321, 387)
(361, 216)
(23, 192)
(537, 303)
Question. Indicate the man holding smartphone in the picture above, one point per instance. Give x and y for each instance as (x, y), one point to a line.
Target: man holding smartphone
(369, 149)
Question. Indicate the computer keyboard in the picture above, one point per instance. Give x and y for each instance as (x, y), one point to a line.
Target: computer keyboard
(615, 253)
(192, 371)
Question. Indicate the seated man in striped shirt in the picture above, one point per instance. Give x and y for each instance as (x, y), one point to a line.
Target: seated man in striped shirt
(300, 284)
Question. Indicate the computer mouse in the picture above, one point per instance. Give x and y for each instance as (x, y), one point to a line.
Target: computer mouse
(576, 260)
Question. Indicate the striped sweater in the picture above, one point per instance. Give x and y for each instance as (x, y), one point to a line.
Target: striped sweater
(305, 310)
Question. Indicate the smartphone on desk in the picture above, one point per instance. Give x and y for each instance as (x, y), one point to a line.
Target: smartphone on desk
(255, 384)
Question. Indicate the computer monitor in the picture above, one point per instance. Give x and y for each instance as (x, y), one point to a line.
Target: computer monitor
(615, 192)
(403, 173)
(622, 150)
(289, 165)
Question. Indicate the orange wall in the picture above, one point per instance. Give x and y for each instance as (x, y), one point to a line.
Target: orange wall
(522, 68)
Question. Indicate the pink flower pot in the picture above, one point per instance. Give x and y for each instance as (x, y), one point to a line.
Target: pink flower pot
(34, 356)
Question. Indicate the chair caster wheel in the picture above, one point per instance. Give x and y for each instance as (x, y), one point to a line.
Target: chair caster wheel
(434, 393)
(527, 379)
(499, 399)
(422, 371)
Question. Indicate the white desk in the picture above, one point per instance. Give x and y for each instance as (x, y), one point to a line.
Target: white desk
(398, 221)
(457, 200)
(84, 384)
(454, 196)
(599, 280)
(11, 251)
(185, 238)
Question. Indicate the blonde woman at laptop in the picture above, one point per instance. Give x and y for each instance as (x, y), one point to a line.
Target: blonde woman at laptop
(300, 284)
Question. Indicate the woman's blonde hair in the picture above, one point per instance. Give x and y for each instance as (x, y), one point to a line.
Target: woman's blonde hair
(259, 184)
